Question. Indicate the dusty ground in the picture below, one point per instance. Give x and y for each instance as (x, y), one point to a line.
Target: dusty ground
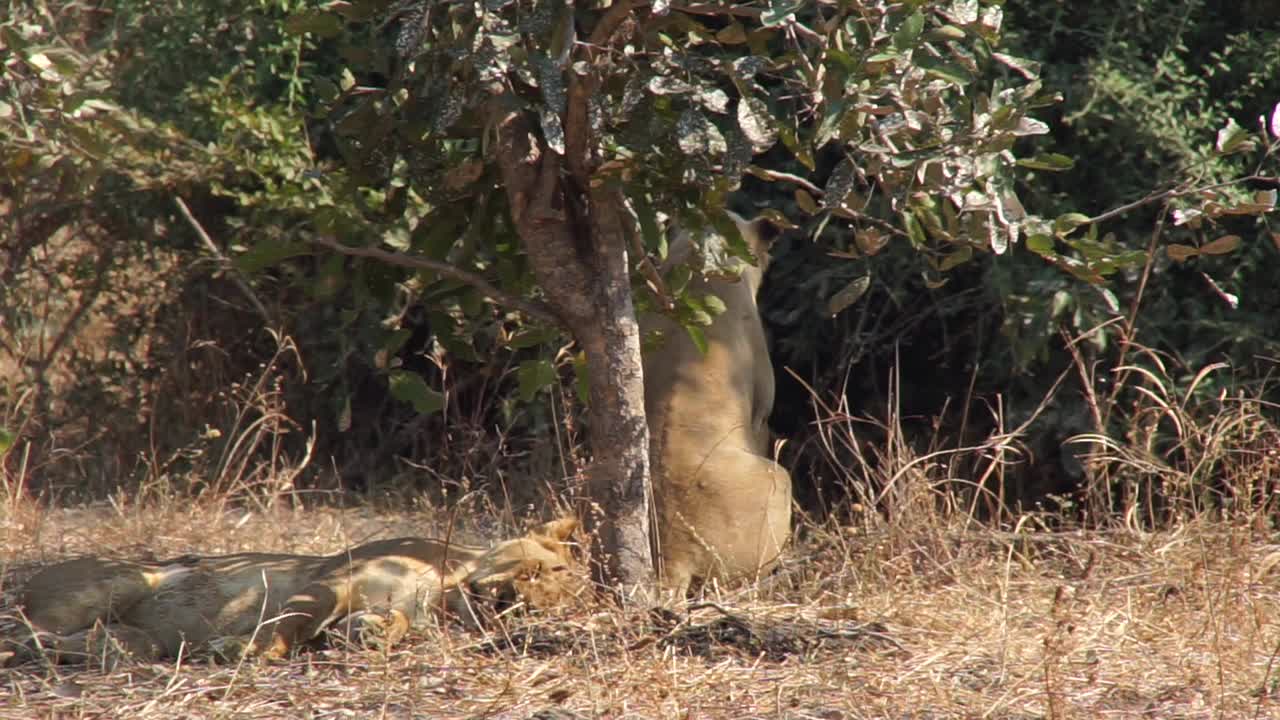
(937, 622)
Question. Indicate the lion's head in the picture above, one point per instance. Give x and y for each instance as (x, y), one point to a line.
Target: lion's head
(538, 570)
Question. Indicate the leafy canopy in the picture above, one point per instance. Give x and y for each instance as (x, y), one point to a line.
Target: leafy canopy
(873, 109)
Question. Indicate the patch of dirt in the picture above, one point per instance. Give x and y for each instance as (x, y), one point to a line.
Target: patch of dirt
(773, 638)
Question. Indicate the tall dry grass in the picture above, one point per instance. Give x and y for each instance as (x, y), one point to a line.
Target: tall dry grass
(925, 598)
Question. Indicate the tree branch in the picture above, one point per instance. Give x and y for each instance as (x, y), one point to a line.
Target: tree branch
(717, 10)
(577, 122)
(773, 175)
(1177, 192)
(647, 269)
(612, 18)
(87, 298)
(531, 308)
(223, 262)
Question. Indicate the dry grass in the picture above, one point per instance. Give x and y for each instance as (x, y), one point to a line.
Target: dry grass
(914, 611)
(942, 622)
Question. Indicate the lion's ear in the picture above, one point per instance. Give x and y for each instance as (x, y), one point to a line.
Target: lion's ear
(759, 235)
(559, 529)
(765, 231)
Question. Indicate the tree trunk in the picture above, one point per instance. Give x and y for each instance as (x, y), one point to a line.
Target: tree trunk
(576, 243)
(620, 479)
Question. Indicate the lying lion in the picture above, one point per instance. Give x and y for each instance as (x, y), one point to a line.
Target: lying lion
(91, 607)
(723, 507)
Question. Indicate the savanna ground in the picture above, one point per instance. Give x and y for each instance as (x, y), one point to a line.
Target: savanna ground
(1166, 604)
(923, 616)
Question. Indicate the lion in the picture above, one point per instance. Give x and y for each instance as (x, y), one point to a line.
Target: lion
(268, 604)
(723, 506)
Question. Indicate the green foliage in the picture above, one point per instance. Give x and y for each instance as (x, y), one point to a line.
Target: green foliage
(1173, 98)
(906, 137)
(915, 105)
(1162, 103)
(410, 387)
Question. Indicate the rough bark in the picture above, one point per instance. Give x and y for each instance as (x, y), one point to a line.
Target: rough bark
(577, 248)
(620, 433)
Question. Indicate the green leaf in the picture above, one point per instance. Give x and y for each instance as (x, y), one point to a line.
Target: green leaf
(713, 99)
(532, 336)
(693, 312)
(713, 304)
(1113, 304)
(1052, 162)
(1233, 138)
(1222, 246)
(806, 202)
(732, 34)
(396, 340)
(11, 39)
(654, 239)
(320, 23)
(409, 387)
(946, 32)
(800, 149)
(839, 184)
(678, 279)
(698, 337)
(436, 234)
(1029, 69)
(779, 12)
(666, 85)
(397, 236)
(725, 243)
(848, 295)
(698, 136)
(757, 124)
(1065, 224)
(1030, 126)
(1062, 302)
(908, 33)
(582, 378)
(6, 440)
(963, 255)
(949, 72)
(535, 375)
(915, 230)
(269, 252)
(1041, 244)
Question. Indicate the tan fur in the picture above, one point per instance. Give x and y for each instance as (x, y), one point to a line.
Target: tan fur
(723, 507)
(153, 609)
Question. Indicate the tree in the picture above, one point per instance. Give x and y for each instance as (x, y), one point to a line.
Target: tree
(590, 118)
(523, 150)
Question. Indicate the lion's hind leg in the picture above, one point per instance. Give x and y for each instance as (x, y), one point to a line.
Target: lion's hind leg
(105, 645)
(325, 601)
(306, 613)
(74, 595)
